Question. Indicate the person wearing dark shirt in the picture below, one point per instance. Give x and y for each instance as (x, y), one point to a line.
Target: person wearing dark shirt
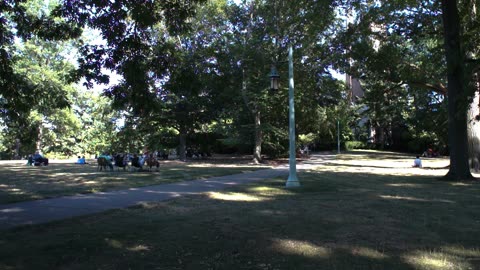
(39, 160)
(136, 162)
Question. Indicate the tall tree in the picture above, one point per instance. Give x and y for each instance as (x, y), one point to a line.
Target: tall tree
(262, 32)
(34, 74)
(416, 24)
(137, 47)
(457, 93)
(97, 124)
(469, 17)
(16, 21)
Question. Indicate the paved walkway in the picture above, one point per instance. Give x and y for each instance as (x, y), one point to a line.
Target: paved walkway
(41, 211)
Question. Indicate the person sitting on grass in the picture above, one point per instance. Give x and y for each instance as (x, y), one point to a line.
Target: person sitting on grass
(120, 161)
(417, 162)
(126, 159)
(108, 158)
(39, 160)
(152, 162)
(81, 160)
(30, 160)
(136, 162)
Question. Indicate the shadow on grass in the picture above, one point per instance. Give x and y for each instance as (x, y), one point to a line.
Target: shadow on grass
(373, 154)
(22, 183)
(362, 165)
(334, 221)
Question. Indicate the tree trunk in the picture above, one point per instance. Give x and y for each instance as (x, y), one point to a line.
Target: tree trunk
(457, 101)
(38, 143)
(257, 151)
(183, 144)
(17, 149)
(381, 137)
(474, 132)
(473, 113)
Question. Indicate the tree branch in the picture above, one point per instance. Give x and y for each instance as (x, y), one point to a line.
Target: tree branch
(439, 88)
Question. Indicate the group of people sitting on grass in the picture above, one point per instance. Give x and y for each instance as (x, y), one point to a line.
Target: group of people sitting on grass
(81, 160)
(429, 153)
(123, 160)
(37, 160)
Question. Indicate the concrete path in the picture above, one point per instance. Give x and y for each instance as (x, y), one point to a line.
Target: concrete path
(41, 211)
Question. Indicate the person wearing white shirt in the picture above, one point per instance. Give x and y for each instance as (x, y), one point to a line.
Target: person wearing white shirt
(417, 162)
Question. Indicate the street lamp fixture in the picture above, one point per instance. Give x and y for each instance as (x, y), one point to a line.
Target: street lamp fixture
(274, 78)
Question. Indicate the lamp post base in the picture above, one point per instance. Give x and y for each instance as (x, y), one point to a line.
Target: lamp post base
(292, 182)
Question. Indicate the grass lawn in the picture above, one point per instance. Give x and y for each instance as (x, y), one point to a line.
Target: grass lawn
(21, 183)
(361, 211)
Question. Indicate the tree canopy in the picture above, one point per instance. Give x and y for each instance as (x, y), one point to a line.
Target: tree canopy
(194, 74)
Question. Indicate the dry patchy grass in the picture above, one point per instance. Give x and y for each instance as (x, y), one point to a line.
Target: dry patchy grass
(19, 182)
(346, 215)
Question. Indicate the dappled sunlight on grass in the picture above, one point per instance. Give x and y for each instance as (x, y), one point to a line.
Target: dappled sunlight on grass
(245, 166)
(460, 184)
(368, 253)
(371, 154)
(387, 163)
(409, 198)
(90, 182)
(12, 210)
(79, 174)
(175, 169)
(138, 248)
(409, 185)
(264, 189)
(269, 212)
(234, 196)
(436, 260)
(20, 183)
(462, 251)
(377, 213)
(269, 191)
(117, 244)
(113, 243)
(302, 248)
(397, 169)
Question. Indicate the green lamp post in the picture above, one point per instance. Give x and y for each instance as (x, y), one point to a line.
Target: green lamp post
(292, 180)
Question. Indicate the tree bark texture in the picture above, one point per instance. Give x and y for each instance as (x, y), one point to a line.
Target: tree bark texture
(473, 113)
(38, 143)
(257, 151)
(474, 132)
(183, 144)
(457, 102)
(17, 148)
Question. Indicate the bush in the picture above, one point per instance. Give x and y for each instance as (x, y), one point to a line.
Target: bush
(5, 155)
(350, 145)
(323, 146)
(275, 149)
(420, 144)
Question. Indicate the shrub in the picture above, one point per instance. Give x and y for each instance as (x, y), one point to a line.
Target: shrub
(420, 144)
(350, 145)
